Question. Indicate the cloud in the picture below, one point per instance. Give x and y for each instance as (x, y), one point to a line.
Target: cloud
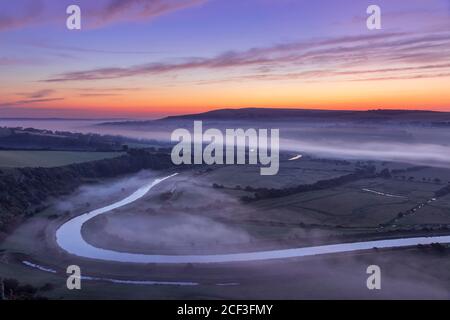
(28, 14)
(27, 101)
(91, 50)
(335, 57)
(38, 94)
(318, 74)
(100, 13)
(254, 56)
(4, 61)
(105, 92)
(132, 10)
(418, 76)
(8, 61)
(94, 95)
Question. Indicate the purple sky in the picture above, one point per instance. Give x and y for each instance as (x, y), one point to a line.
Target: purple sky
(153, 50)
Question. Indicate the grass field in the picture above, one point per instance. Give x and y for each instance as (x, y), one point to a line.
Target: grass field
(291, 173)
(48, 159)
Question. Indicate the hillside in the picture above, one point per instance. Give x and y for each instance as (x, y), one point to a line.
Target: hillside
(23, 191)
(35, 139)
(274, 114)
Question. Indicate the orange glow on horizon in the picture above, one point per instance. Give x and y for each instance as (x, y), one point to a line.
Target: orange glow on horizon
(423, 94)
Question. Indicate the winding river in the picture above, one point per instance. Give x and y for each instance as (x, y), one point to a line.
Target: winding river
(70, 239)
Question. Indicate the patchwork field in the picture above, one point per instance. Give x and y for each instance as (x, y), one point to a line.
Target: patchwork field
(189, 214)
(291, 173)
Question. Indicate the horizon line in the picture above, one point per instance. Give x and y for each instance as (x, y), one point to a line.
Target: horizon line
(142, 118)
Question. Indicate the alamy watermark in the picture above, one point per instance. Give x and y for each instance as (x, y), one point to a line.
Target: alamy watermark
(73, 21)
(235, 146)
(374, 280)
(374, 20)
(74, 279)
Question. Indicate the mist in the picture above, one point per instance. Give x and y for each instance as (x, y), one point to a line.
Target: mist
(414, 153)
(406, 143)
(155, 223)
(87, 197)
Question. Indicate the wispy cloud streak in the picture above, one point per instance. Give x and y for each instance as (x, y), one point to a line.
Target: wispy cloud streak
(132, 10)
(344, 57)
(27, 101)
(97, 14)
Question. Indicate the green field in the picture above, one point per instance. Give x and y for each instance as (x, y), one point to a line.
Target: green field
(48, 159)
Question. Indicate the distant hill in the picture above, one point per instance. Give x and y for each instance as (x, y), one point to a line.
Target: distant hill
(266, 114)
(298, 114)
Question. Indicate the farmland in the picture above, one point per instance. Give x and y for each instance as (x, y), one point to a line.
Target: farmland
(202, 211)
(362, 209)
(187, 215)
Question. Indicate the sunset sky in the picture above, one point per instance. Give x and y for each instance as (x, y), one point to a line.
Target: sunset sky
(149, 58)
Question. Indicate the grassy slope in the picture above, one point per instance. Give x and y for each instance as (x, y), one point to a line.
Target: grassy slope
(48, 159)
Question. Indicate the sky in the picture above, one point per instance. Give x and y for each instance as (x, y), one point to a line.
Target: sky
(151, 58)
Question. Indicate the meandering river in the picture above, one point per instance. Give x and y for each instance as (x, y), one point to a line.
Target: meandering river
(70, 239)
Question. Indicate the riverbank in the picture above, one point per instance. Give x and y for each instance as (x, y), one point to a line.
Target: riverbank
(70, 239)
(25, 191)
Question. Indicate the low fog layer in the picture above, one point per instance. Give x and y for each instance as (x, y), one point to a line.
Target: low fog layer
(176, 215)
(416, 144)
(89, 196)
(172, 230)
(415, 153)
